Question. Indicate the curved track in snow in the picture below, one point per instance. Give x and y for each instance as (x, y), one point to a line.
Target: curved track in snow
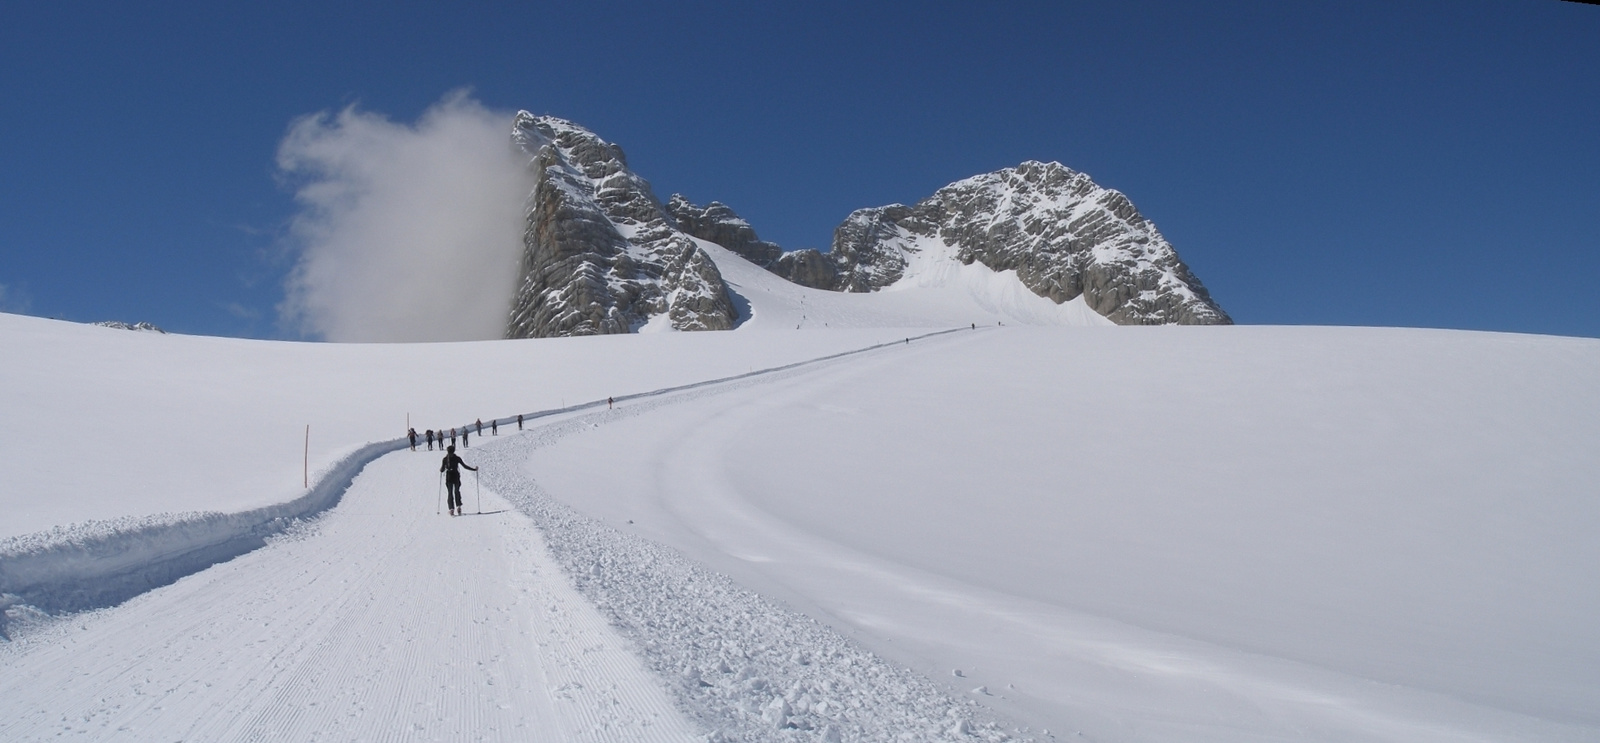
(382, 619)
(98, 564)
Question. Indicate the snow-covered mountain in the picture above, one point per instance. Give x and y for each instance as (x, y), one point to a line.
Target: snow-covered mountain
(1062, 234)
(602, 255)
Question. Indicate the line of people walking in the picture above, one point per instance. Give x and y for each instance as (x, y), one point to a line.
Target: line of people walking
(431, 438)
(450, 467)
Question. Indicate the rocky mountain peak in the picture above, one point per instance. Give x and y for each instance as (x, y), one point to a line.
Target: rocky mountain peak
(603, 255)
(1065, 235)
(600, 254)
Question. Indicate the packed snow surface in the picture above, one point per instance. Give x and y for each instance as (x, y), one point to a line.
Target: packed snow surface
(991, 533)
(378, 621)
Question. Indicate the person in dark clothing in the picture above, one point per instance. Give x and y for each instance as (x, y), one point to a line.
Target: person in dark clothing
(452, 438)
(452, 478)
(480, 427)
(519, 421)
(466, 433)
(430, 439)
(494, 427)
(411, 433)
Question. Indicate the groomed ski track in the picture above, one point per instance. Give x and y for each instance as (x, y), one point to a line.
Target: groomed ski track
(381, 619)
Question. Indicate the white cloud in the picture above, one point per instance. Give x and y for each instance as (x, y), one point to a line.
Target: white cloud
(405, 232)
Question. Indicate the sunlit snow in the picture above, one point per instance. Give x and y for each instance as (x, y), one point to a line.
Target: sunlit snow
(1032, 522)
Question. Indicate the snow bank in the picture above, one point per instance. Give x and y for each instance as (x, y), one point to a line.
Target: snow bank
(745, 667)
(103, 563)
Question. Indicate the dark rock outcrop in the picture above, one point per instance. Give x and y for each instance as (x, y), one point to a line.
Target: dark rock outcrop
(1065, 236)
(718, 223)
(600, 255)
(143, 327)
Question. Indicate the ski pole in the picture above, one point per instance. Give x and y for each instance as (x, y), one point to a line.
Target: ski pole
(437, 502)
(478, 487)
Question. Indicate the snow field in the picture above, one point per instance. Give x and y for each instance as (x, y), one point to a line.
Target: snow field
(378, 620)
(1163, 533)
(744, 666)
(937, 292)
(1139, 534)
(112, 423)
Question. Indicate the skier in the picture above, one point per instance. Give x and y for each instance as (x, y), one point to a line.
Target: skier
(608, 403)
(452, 478)
(519, 421)
(494, 427)
(480, 428)
(466, 432)
(452, 438)
(430, 439)
(411, 433)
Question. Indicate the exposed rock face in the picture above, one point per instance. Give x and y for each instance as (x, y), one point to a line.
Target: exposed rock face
(139, 326)
(600, 255)
(808, 267)
(717, 223)
(1064, 235)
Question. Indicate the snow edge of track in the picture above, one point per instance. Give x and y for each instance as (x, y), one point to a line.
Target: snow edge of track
(98, 564)
(743, 665)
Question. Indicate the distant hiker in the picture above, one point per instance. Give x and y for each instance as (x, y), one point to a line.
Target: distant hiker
(519, 421)
(452, 437)
(466, 433)
(609, 401)
(411, 433)
(974, 326)
(430, 439)
(452, 478)
(494, 427)
(480, 426)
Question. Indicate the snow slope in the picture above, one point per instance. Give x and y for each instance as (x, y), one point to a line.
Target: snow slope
(936, 292)
(1136, 534)
(112, 423)
(1165, 533)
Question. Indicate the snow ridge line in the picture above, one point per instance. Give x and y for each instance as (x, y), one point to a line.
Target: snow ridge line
(741, 664)
(98, 564)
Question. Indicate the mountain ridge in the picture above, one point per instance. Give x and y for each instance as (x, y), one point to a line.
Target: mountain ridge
(603, 255)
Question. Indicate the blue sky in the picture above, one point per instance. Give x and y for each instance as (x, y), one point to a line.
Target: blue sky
(1371, 163)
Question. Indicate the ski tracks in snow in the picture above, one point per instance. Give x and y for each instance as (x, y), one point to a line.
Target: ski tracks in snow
(380, 620)
(744, 666)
